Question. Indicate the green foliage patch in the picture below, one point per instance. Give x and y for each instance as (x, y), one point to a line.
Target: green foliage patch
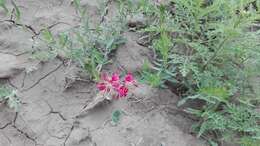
(9, 97)
(89, 46)
(211, 49)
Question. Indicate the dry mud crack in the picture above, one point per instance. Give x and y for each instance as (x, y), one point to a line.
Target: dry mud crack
(47, 116)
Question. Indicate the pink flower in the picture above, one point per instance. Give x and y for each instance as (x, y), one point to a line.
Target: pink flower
(101, 86)
(104, 77)
(115, 77)
(122, 91)
(115, 85)
(129, 78)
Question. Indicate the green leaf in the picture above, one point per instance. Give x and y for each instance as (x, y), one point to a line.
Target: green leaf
(10, 97)
(81, 39)
(12, 101)
(212, 143)
(63, 38)
(163, 46)
(3, 5)
(77, 4)
(220, 94)
(43, 55)
(4, 92)
(152, 79)
(194, 112)
(116, 116)
(47, 35)
(17, 11)
(184, 100)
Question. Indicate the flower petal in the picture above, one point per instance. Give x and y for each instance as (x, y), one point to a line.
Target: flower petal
(122, 91)
(101, 86)
(129, 78)
(115, 77)
(104, 77)
(115, 85)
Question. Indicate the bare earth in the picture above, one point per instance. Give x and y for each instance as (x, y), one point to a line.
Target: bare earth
(47, 116)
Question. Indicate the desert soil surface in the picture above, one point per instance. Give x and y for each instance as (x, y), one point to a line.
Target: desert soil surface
(51, 95)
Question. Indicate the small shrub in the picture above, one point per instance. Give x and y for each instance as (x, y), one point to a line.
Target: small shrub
(9, 97)
(89, 46)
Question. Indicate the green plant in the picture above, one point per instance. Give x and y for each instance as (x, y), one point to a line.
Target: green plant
(232, 120)
(150, 76)
(248, 141)
(89, 46)
(3, 5)
(15, 10)
(9, 96)
(116, 115)
(209, 49)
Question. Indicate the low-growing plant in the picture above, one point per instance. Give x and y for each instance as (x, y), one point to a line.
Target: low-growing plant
(15, 10)
(89, 45)
(153, 76)
(3, 5)
(9, 97)
(211, 50)
(248, 141)
(116, 115)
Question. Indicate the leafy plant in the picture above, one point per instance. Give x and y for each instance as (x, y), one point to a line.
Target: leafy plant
(247, 141)
(16, 10)
(89, 46)
(209, 49)
(3, 5)
(116, 115)
(9, 96)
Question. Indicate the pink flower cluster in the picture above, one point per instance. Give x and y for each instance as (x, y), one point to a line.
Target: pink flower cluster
(114, 86)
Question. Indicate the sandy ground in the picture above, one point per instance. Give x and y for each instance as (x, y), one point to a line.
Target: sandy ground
(47, 115)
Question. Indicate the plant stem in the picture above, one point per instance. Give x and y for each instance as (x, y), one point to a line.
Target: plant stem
(215, 54)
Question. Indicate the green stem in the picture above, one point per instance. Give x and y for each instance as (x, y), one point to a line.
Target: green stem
(219, 48)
